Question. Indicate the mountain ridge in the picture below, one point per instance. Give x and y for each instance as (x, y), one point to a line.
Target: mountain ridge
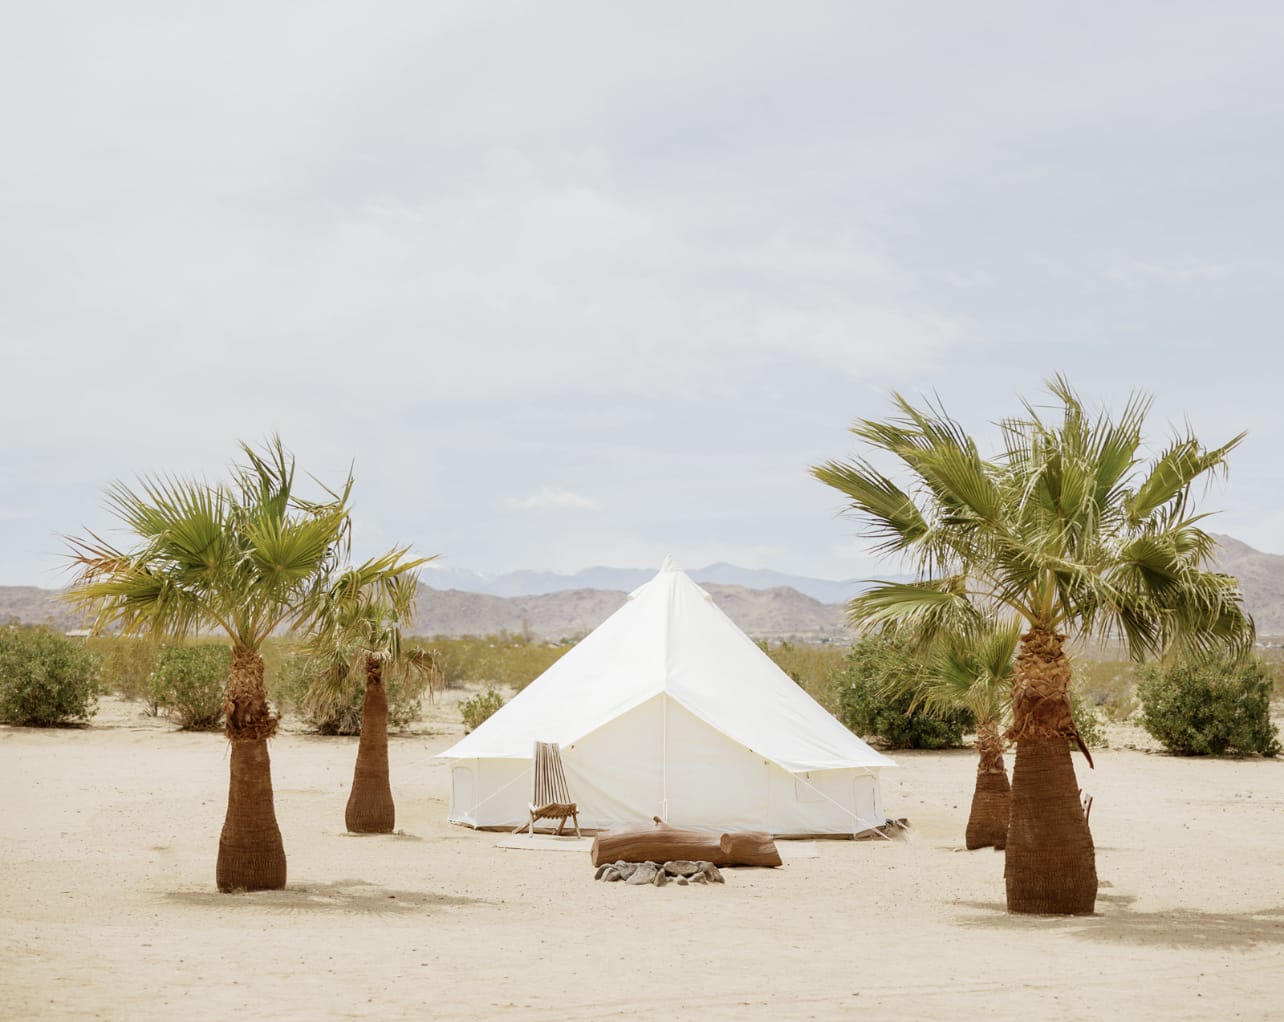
(763, 611)
(530, 582)
(778, 613)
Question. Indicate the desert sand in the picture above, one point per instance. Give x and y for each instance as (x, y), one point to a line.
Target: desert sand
(109, 834)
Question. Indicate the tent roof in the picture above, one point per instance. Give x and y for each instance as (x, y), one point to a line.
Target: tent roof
(670, 638)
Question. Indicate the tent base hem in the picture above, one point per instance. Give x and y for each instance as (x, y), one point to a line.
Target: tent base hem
(870, 833)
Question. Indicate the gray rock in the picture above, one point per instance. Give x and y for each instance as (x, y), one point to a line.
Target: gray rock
(644, 874)
(684, 872)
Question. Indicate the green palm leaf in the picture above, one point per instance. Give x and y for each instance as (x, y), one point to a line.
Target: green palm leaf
(1172, 474)
(1061, 528)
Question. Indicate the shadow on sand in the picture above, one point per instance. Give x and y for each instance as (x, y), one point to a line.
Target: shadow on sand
(1116, 923)
(355, 897)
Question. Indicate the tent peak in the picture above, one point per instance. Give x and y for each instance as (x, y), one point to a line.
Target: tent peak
(670, 564)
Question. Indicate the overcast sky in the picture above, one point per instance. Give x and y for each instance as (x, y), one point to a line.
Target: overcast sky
(588, 283)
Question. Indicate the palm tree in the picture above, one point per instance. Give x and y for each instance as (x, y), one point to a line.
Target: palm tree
(1066, 530)
(974, 672)
(359, 633)
(248, 558)
(967, 666)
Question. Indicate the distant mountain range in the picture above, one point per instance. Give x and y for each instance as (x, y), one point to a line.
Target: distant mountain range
(538, 583)
(1261, 578)
(765, 604)
(778, 613)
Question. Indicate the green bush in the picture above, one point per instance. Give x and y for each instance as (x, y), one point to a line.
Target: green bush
(1109, 685)
(876, 699)
(816, 668)
(479, 708)
(46, 680)
(189, 684)
(126, 665)
(278, 653)
(1209, 705)
(1083, 711)
(513, 661)
(328, 699)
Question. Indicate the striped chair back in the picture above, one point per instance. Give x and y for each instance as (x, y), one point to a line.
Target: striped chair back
(550, 780)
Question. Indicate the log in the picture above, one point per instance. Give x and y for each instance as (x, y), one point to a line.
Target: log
(662, 843)
(749, 848)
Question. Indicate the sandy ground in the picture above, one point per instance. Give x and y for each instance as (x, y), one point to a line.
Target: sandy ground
(109, 834)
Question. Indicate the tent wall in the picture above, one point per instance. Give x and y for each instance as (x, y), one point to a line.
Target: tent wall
(658, 759)
(490, 792)
(824, 802)
(616, 773)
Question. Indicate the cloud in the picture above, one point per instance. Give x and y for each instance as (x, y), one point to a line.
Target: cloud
(549, 498)
(643, 254)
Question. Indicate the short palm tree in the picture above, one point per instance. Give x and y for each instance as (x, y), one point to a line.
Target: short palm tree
(973, 671)
(359, 632)
(248, 558)
(1067, 530)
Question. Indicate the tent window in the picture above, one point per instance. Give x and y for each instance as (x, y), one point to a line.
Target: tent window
(462, 788)
(805, 788)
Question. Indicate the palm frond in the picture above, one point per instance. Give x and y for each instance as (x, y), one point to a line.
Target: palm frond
(1170, 477)
(922, 610)
(973, 672)
(893, 520)
(362, 612)
(1063, 527)
(939, 452)
(249, 557)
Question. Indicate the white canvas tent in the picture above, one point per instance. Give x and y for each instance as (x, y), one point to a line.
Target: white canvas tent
(667, 709)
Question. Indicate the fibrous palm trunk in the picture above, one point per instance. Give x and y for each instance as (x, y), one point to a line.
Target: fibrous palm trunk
(370, 807)
(251, 856)
(1051, 863)
(987, 824)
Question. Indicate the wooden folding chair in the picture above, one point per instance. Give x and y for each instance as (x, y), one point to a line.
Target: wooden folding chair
(550, 799)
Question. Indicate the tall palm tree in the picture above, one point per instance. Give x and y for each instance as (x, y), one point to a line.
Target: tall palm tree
(248, 558)
(359, 632)
(1066, 529)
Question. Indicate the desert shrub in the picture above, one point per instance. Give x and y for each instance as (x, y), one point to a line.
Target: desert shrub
(277, 653)
(327, 698)
(876, 698)
(1271, 658)
(511, 661)
(1209, 705)
(1109, 685)
(46, 679)
(1083, 711)
(126, 665)
(189, 684)
(479, 708)
(816, 668)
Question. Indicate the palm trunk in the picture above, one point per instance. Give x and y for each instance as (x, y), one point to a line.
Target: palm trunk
(251, 856)
(987, 824)
(1051, 863)
(370, 807)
